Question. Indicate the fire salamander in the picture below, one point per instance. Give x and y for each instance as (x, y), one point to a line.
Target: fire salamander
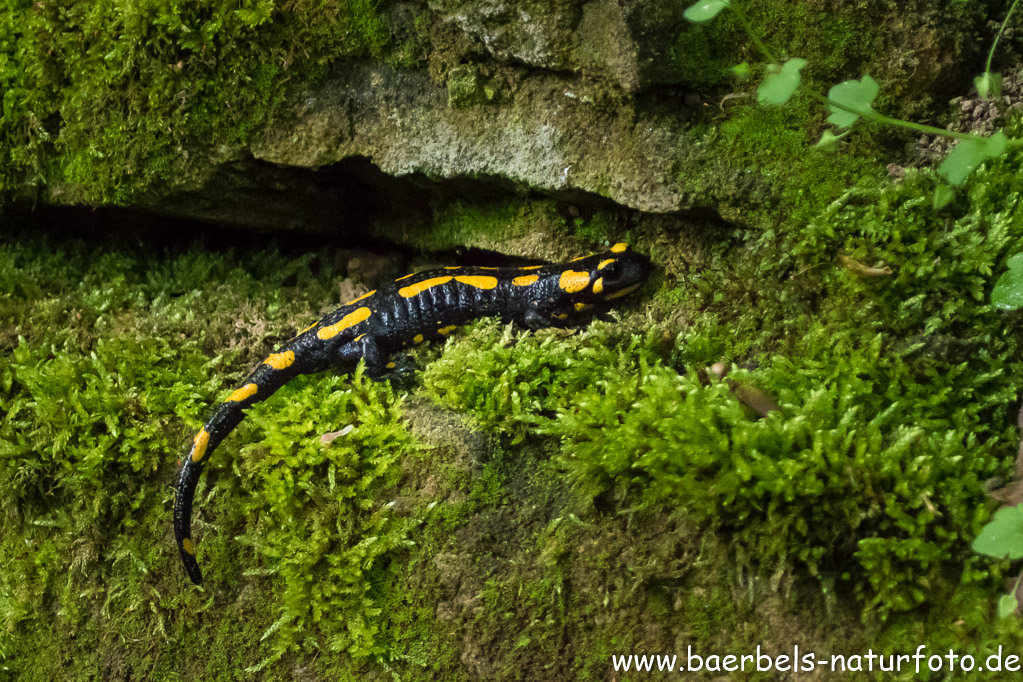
(410, 310)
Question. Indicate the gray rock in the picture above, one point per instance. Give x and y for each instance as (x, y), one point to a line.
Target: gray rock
(626, 42)
(540, 137)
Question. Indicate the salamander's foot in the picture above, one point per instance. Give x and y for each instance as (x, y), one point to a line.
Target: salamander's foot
(399, 371)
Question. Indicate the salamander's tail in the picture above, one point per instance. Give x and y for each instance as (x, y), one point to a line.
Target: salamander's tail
(275, 371)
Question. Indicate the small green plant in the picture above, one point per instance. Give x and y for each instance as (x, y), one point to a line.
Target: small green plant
(1002, 538)
(1008, 291)
(849, 102)
(852, 100)
(990, 82)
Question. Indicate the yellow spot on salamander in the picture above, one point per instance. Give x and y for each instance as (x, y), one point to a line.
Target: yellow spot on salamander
(350, 320)
(309, 327)
(580, 307)
(419, 287)
(580, 258)
(531, 267)
(624, 292)
(487, 267)
(598, 286)
(478, 281)
(246, 391)
(358, 337)
(447, 330)
(405, 277)
(452, 267)
(367, 295)
(574, 280)
(202, 439)
(418, 338)
(525, 280)
(390, 365)
(620, 247)
(188, 545)
(280, 360)
(604, 263)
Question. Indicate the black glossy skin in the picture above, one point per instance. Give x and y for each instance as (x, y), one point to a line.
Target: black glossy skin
(416, 308)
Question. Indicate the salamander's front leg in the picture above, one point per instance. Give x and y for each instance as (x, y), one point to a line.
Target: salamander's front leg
(366, 348)
(400, 368)
(536, 318)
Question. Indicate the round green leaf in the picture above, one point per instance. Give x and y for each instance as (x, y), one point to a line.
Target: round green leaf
(705, 10)
(1008, 291)
(996, 145)
(988, 83)
(962, 160)
(779, 84)
(1007, 605)
(851, 99)
(742, 70)
(943, 196)
(829, 141)
(970, 153)
(1003, 535)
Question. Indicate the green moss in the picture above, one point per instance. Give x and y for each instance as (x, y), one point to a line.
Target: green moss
(320, 525)
(112, 99)
(466, 87)
(758, 167)
(905, 387)
(482, 224)
(599, 228)
(104, 365)
(829, 38)
(842, 40)
(620, 505)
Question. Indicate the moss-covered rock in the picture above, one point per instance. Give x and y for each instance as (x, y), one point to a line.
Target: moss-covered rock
(575, 99)
(538, 501)
(544, 500)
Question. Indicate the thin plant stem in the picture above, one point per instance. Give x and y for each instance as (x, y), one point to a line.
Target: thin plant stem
(881, 118)
(1005, 22)
(753, 34)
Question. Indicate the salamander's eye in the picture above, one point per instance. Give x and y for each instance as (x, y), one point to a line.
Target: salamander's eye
(612, 272)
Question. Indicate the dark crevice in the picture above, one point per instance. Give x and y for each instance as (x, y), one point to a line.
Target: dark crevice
(253, 202)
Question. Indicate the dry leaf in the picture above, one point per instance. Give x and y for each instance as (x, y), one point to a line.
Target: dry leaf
(329, 437)
(757, 400)
(861, 270)
(1011, 494)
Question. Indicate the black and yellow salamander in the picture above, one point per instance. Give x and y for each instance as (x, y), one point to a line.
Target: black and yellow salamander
(410, 310)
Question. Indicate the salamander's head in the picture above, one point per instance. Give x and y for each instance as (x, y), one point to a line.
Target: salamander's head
(617, 272)
(593, 284)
